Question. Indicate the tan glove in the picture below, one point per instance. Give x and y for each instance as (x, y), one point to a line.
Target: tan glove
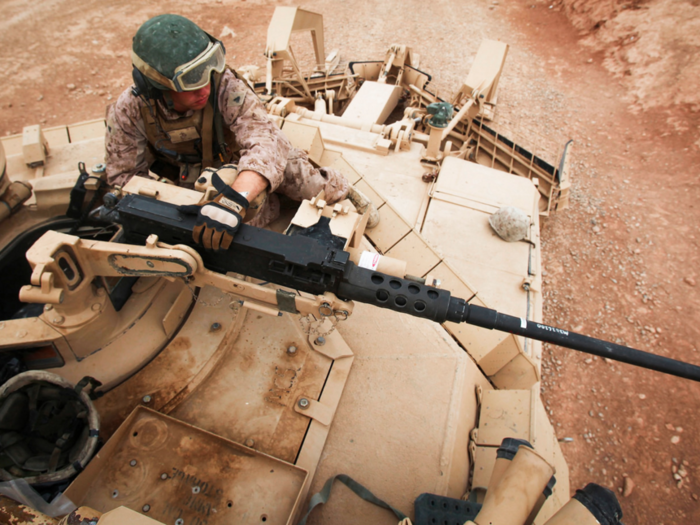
(219, 219)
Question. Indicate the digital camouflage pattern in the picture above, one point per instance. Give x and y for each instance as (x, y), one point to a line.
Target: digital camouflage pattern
(264, 148)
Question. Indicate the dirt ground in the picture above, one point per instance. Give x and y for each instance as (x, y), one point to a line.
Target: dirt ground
(621, 264)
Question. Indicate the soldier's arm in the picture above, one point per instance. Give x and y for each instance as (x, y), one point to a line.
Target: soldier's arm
(125, 140)
(264, 149)
(250, 184)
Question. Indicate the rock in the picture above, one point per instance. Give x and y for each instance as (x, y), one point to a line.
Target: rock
(40, 97)
(675, 440)
(690, 281)
(71, 87)
(642, 396)
(627, 487)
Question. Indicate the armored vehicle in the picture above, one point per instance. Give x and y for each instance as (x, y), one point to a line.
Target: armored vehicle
(230, 387)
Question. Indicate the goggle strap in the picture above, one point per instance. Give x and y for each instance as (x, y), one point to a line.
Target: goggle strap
(151, 72)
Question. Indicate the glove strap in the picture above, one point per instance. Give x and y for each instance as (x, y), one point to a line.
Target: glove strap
(228, 196)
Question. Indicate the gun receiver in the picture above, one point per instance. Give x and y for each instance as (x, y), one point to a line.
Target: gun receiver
(302, 262)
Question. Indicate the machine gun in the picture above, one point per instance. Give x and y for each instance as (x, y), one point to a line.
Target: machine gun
(312, 260)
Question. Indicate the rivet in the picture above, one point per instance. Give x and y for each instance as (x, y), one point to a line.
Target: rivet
(147, 399)
(163, 476)
(115, 493)
(132, 462)
(179, 521)
(146, 508)
(58, 320)
(292, 350)
(96, 307)
(48, 307)
(320, 341)
(303, 403)
(150, 264)
(215, 327)
(196, 489)
(250, 443)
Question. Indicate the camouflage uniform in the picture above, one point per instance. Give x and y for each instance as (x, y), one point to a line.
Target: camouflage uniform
(263, 147)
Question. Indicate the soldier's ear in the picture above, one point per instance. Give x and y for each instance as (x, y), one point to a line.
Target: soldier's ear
(142, 87)
(165, 95)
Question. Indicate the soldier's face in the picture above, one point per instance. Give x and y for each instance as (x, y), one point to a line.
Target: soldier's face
(190, 100)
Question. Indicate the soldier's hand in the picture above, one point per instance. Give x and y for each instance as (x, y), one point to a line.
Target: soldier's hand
(219, 219)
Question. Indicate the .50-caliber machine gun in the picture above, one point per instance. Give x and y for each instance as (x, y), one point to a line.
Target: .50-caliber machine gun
(312, 260)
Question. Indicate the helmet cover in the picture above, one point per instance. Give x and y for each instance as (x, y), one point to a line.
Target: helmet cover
(166, 42)
(510, 223)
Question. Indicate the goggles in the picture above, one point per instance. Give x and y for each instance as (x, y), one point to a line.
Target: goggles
(191, 76)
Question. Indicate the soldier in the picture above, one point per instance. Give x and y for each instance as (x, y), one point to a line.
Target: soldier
(188, 112)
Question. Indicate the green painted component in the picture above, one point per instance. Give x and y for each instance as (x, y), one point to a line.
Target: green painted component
(441, 114)
(167, 41)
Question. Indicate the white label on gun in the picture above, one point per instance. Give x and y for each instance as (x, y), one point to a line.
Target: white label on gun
(523, 323)
(369, 260)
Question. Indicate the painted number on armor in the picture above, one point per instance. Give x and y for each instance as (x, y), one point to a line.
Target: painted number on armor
(236, 98)
(199, 502)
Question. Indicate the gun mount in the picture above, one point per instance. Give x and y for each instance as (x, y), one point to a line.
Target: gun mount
(303, 263)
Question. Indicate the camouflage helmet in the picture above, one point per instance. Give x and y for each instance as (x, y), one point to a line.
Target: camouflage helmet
(510, 223)
(174, 53)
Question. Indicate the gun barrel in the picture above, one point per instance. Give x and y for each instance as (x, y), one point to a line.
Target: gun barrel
(306, 264)
(487, 318)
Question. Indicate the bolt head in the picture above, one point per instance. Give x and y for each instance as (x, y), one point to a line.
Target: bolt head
(250, 443)
(292, 350)
(132, 462)
(163, 476)
(303, 403)
(146, 508)
(147, 399)
(320, 341)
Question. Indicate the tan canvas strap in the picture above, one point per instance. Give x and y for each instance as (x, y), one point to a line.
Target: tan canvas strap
(150, 72)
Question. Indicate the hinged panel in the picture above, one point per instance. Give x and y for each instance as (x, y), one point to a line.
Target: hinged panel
(179, 472)
(504, 413)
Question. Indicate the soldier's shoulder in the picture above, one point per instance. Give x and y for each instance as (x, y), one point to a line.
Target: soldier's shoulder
(229, 81)
(128, 103)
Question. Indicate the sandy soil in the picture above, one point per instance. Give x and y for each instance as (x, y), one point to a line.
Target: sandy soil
(621, 264)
